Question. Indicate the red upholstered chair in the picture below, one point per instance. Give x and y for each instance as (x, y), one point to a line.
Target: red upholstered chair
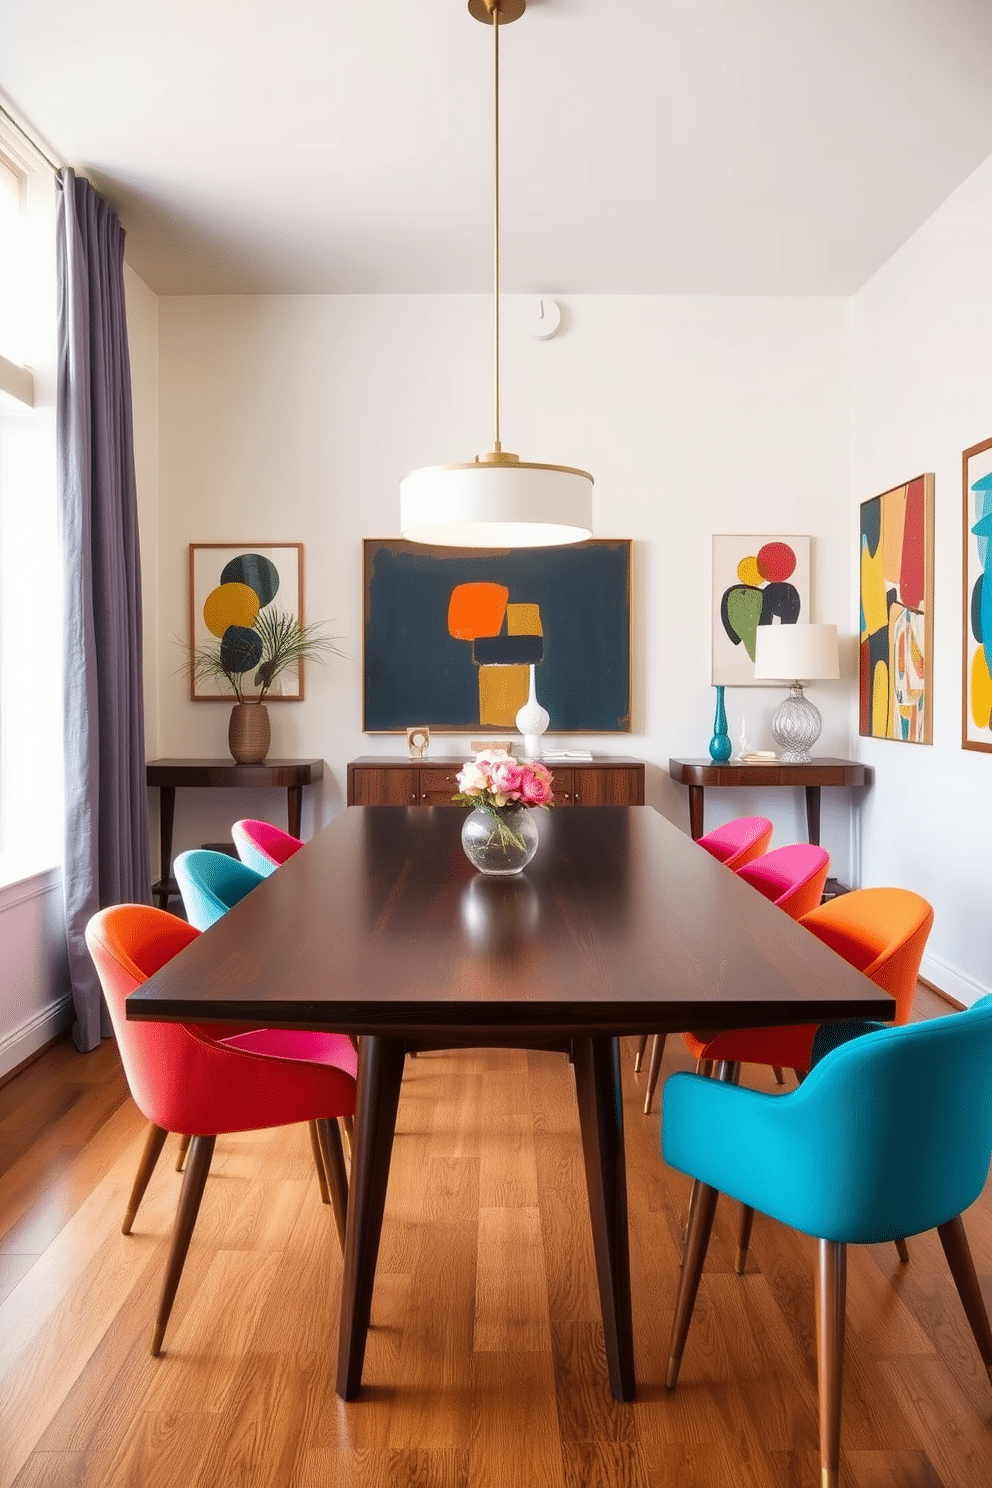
(182, 1079)
(262, 846)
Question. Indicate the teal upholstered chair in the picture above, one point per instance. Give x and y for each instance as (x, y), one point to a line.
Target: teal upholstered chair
(211, 883)
(889, 1135)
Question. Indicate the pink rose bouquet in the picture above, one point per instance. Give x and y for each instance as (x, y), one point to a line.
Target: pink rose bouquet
(496, 782)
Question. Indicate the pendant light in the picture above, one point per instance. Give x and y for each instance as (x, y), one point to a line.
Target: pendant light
(497, 500)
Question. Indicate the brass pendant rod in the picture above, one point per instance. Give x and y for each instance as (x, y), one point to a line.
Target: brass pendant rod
(495, 13)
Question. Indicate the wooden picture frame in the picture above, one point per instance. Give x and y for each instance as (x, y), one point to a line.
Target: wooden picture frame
(895, 555)
(976, 647)
(453, 635)
(274, 572)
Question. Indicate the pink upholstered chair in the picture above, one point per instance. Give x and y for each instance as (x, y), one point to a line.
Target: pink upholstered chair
(791, 877)
(738, 842)
(262, 846)
(734, 844)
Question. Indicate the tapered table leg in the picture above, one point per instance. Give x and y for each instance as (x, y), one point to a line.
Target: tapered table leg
(380, 1074)
(597, 1086)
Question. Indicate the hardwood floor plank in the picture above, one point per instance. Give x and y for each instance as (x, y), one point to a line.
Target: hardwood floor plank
(511, 1286)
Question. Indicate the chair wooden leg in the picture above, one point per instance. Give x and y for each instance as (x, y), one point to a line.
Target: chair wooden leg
(902, 1250)
(744, 1238)
(654, 1070)
(337, 1178)
(194, 1178)
(730, 1072)
(958, 1253)
(778, 1073)
(700, 1228)
(154, 1142)
(642, 1044)
(318, 1163)
(181, 1154)
(347, 1124)
(831, 1290)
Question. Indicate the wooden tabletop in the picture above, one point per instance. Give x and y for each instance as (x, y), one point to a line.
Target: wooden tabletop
(621, 924)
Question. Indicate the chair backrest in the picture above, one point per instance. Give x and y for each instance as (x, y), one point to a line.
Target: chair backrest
(737, 842)
(211, 883)
(792, 877)
(883, 932)
(905, 1118)
(263, 846)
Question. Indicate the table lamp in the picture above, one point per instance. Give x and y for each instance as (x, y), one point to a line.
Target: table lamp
(796, 654)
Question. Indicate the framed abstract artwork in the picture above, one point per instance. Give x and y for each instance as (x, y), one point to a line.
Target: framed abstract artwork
(756, 581)
(896, 625)
(976, 481)
(234, 589)
(453, 636)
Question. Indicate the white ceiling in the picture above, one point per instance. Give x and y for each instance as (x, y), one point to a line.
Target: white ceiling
(648, 146)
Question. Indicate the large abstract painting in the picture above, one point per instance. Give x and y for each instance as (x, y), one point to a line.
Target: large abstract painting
(232, 587)
(976, 478)
(451, 636)
(756, 581)
(896, 630)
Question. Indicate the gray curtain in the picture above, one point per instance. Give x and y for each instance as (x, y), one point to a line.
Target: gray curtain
(106, 823)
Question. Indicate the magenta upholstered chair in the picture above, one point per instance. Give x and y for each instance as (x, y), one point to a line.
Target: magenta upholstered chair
(262, 846)
(738, 842)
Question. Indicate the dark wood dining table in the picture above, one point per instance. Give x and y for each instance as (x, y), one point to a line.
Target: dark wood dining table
(620, 925)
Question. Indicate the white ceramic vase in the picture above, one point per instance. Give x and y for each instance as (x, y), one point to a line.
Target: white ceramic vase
(532, 720)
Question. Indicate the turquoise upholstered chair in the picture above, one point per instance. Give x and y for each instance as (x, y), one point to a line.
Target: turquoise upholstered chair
(889, 1135)
(211, 883)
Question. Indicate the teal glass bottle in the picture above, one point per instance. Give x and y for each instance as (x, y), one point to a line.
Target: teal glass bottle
(720, 745)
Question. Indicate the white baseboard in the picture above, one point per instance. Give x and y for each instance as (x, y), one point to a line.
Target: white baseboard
(946, 979)
(43, 1026)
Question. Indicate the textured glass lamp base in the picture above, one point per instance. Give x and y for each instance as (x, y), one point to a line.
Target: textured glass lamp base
(796, 725)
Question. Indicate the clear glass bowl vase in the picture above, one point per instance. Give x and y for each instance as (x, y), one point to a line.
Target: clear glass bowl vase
(500, 842)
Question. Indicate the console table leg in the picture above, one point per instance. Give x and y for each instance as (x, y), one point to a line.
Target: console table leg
(294, 808)
(166, 817)
(696, 812)
(813, 813)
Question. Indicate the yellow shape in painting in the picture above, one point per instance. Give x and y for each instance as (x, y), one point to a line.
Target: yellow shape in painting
(880, 702)
(748, 571)
(981, 690)
(230, 604)
(893, 527)
(502, 693)
(523, 619)
(873, 590)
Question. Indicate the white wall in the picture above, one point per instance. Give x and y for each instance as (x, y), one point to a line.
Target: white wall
(922, 393)
(293, 419)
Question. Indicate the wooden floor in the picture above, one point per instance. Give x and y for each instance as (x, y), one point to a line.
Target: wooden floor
(485, 1364)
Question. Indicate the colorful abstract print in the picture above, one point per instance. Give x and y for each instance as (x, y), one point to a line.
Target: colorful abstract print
(763, 595)
(230, 612)
(980, 605)
(896, 546)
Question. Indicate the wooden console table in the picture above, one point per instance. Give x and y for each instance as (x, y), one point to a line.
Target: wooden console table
(699, 773)
(397, 780)
(167, 774)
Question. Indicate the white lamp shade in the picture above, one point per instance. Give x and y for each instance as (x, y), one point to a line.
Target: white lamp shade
(496, 505)
(796, 653)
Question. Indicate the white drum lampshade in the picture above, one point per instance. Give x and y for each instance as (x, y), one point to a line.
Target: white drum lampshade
(796, 654)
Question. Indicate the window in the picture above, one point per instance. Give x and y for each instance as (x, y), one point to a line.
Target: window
(30, 568)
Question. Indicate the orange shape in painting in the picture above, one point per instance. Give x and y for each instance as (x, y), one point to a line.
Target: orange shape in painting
(230, 604)
(476, 610)
(523, 619)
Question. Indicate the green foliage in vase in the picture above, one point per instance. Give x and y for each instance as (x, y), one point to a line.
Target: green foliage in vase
(285, 643)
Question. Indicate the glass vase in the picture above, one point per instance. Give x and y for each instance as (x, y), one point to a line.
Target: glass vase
(720, 745)
(500, 842)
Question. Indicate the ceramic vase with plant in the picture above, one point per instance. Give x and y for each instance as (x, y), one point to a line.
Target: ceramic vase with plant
(284, 643)
(499, 835)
